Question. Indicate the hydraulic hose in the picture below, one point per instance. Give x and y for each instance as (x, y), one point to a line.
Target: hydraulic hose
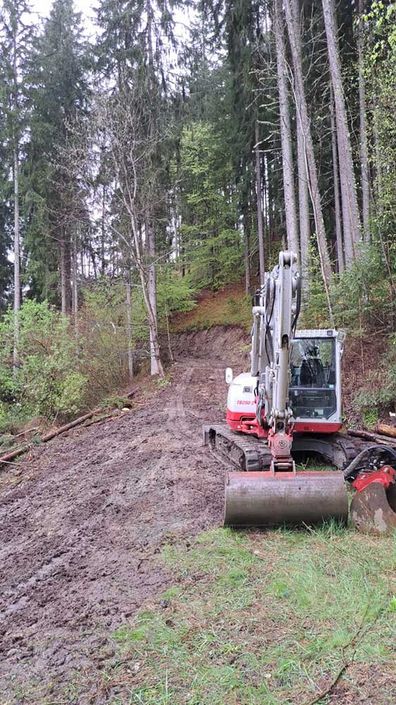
(353, 468)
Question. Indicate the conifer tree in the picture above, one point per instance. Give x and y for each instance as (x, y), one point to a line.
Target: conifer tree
(15, 42)
(59, 98)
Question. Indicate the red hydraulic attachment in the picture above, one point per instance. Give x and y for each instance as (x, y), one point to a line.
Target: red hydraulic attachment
(373, 506)
(385, 476)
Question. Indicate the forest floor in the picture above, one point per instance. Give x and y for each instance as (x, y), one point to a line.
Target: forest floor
(118, 586)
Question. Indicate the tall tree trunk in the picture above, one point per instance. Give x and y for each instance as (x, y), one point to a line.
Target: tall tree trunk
(63, 278)
(351, 217)
(293, 28)
(75, 282)
(103, 233)
(246, 239)
(378, 163)
(286, 135)
(260, 229)
(336, 188)
(66, 279)
(364, 161)
(128, 288)
(17, 244)
(303, 211)
(155, 360)
(17, 260)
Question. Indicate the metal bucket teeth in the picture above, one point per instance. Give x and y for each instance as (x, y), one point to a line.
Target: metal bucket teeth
(261, 499)
(373, 510)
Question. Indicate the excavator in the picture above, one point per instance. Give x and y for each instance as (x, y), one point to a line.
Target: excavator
(287, 410)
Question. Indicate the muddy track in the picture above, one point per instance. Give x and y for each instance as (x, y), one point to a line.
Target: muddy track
(82, 522)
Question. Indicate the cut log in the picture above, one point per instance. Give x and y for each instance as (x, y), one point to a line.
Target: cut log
(13, 454)
(67, 426)
(374, 437)
(386, 430)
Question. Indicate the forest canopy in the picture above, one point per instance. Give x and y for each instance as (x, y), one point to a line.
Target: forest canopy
(176, 147)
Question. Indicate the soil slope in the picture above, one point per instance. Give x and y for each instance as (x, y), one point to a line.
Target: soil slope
(82, 520)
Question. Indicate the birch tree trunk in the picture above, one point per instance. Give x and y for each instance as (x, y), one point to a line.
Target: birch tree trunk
(260, 229)
(364, 161)
(285, 131)
(17, 254)
(17, 260)
(336, 186)
(128, 289)
(351, 218)
(103, 233)
(378, 163)
(65, 274)
(75, 283)
(63, 286)
(155, 361)
(293, 29)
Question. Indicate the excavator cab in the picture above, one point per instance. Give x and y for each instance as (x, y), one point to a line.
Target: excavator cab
(315, 380)
(314, 391)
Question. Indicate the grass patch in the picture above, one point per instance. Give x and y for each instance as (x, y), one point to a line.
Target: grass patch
(228, 307)
(260, 619)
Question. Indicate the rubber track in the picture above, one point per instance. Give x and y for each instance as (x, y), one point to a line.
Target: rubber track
(250, 453)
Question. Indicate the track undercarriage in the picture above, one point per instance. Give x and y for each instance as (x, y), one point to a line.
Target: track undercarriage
(248, 453)
(257, 496)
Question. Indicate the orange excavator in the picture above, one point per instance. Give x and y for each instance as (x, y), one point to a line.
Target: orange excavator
(288, 408)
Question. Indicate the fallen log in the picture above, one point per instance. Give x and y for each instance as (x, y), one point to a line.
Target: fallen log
(132, 392)
(386, 430)
(67, 426)
(17, 452)
(374, 437)
(13, 454)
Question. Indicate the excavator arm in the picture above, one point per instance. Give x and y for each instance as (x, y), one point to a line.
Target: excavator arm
(274, 323)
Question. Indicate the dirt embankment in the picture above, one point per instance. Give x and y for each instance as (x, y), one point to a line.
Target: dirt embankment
(362, 357)
(82, 519)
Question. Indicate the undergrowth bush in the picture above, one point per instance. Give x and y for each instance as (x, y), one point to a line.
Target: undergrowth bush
(46, 381)
(63, 369)
(103, 337)
(362, 296)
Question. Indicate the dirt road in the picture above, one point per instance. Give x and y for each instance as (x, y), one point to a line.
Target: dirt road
(82, 521)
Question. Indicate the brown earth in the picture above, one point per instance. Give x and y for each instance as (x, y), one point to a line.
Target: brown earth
(81, 522)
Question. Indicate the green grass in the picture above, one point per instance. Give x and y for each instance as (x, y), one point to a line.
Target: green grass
(228, 307)
(259, 619)
(256, 618)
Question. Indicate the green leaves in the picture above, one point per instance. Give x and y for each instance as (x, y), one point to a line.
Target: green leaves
(211, 241)
(47, 382)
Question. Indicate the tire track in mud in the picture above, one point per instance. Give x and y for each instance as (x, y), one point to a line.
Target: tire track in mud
(80, 536)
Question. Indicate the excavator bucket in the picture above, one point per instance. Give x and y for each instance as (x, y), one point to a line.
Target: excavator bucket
(261, 499)
(373, 510)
